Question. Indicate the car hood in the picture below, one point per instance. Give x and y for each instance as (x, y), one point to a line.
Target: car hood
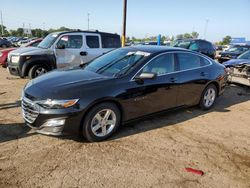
(7, 50)
(236, 62)
(31, 51)
(230, 53)
(65, 83)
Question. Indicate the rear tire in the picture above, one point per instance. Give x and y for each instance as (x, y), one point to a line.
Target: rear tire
(208, 97)
(37, 70)
(101, 122)
(4, 46)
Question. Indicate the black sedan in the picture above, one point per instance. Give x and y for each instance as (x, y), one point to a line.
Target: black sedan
(123, 85)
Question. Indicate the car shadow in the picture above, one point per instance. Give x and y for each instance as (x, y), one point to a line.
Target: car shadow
(9, 132)
(10, 105)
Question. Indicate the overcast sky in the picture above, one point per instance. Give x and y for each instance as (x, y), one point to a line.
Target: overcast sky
(145, 17)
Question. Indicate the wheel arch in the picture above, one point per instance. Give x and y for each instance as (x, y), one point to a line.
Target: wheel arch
(104, 100)
(216, 85)
(28, 65)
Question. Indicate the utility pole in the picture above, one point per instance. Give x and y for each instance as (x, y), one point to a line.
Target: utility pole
(124, 22)
(23, 29)
(30, 30)
(2, 23)
(88, 20)
(205, 31)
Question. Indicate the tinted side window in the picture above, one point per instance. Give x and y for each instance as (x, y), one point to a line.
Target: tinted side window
(188, 61)
(204, 45)
(204, 62)
(71, 41)
(161, 65)
(110, 41)
(35, 44)
(92, 41)
(194, 46)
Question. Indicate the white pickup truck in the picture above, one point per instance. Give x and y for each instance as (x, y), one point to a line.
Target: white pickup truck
(61, 49)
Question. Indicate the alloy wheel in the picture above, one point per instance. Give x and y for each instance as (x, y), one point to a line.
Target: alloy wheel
(103, 122)
(39, 71)
(209, 97)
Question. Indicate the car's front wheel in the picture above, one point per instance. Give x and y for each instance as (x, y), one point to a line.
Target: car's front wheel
(36, 71)
(101, 122)
(208, 97)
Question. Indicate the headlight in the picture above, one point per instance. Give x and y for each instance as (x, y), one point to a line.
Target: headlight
(15, 59)
(57, 104)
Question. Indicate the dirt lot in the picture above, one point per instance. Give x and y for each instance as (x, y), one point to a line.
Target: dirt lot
(147, 153)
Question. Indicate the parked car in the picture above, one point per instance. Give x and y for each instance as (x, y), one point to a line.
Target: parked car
(61, 49)
(4, 43)
(241, 59)
(239, 69)
(232, 53)
(120, 86)
(198, 45)
(4, 53)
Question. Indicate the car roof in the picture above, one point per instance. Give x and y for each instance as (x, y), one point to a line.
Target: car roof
(81, 31)
(156, 49)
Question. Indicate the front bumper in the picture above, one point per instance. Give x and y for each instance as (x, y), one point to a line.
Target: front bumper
(54, 122)
(14, 70)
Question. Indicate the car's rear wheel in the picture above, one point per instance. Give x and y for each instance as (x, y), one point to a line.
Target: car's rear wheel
(208, 97)
(101, 122)
(36, 71)
(4, 46)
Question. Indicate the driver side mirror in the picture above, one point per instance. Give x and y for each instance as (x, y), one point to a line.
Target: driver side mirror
(60, 46)
(145, 76)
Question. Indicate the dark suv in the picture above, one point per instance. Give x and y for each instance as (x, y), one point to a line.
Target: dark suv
(198, 45)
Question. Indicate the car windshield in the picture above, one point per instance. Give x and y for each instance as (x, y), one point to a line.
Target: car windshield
(236, 49)
(181, 44)
(117, 62)
(245, 55)
(48, 41)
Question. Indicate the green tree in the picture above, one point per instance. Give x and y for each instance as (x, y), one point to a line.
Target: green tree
(187, 36)
(226, 40)
(180, 36)
(195, 35)
(5, 31)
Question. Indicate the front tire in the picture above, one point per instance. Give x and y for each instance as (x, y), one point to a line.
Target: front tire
(101, 122)
(208, 97)
(36, 71)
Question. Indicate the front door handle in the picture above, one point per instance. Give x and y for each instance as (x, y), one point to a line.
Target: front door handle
(204, 73)
(83, 53)
(173, 79)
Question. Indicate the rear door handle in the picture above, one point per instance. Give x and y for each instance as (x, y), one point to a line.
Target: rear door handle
(83, 53)
(173, 79)
(204, 73)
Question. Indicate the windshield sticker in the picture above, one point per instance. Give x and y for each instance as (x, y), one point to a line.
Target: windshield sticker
(139, 53)
(142, 53)
(130, 53)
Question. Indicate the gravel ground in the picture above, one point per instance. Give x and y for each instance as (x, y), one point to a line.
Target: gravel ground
(147, 153)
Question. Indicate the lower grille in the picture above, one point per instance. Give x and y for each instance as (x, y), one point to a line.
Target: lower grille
(30, 110)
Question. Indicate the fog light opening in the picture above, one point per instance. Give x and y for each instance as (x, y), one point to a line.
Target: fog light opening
(54, 123)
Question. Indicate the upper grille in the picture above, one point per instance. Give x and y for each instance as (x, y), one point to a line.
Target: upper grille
(30, 110)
